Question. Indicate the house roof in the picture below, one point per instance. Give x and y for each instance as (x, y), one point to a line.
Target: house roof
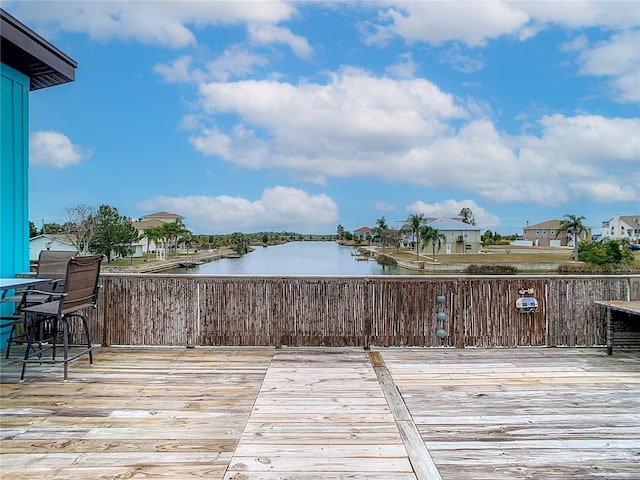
(162, 215)
(631, 220)
(29, 53)
(451, 224)
(60, 237)
(549, 224)
(363, 230)
(147, 223)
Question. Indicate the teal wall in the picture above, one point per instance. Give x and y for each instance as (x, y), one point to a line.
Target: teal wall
(14, 168)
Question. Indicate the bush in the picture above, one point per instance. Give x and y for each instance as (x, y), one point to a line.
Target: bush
(490, 269)
(593, 269)
(611, 252)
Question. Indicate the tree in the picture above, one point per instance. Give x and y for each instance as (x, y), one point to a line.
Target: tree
(340, 232)
(54, 228)
(82, 227)
(114, 233)
(381, 230)
(572, 225)
(413, 225)
(433, 236)
(239, 243)
(33, 230)
(467, 216)
(152, 234)
(490, 238)
(172, 232)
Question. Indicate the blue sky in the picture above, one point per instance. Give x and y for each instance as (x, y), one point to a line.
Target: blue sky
(251, 116)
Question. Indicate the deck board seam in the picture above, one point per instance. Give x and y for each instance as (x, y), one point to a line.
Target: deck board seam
(423, 465)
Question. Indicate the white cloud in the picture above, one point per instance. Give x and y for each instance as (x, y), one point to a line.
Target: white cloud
(475, 23)
(335, 128)
(268, 34)
(461, 62)
(612, 14)
(451, 208)
(618, 58)
(235, 61)
(385, 207)
(179, 71)
(279, 208)
(404, 68)
(155, 22)
(472, 23)
(54, 149)
(607, 190)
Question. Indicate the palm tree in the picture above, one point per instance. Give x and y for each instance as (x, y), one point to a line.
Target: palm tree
(414, 223)
(572, 225)
(152, 234)
(433, 235)
(381, 230)
(172, 232)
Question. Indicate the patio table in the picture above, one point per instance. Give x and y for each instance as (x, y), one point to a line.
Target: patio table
(11, 283)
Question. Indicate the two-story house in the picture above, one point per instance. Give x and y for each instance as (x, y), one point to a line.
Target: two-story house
(152, 220)
(546, 234)
(622, 226)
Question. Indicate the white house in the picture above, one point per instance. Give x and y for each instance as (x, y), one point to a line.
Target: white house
(152, 220)
(50, 241)
(622, 226)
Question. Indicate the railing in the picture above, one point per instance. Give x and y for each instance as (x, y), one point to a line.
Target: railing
(479, 311)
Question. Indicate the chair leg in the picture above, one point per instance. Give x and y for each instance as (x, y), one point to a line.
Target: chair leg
(27, 353)
(88, 337)
(54, 337)
(10, 339)
(65, 343)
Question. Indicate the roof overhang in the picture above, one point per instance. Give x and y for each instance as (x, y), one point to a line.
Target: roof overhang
(29, 53)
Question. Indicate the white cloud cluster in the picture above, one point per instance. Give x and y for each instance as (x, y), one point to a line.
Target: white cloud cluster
(618, 59)
(411, 131)
(451, 208)
(475, 23)
(472, 23)
(164, 23)
(279, 208)
(173, 24)
(54, 149)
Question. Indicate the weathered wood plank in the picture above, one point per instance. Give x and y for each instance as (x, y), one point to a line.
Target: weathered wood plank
(483, 414)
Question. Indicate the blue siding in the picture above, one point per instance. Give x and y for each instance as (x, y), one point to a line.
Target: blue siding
(14, 167)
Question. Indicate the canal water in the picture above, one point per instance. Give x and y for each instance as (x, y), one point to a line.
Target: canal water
(296, 258)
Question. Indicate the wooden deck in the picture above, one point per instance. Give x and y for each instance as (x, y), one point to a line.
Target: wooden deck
(319, 413)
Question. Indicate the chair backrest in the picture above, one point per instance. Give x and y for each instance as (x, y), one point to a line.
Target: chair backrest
(81, 283)
(53, 263)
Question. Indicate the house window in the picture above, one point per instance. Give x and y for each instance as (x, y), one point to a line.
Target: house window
(544, 232)
(553, 231)
(537, 232)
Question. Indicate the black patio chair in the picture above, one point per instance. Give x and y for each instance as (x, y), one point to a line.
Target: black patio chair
(52, 265)
(48, 324)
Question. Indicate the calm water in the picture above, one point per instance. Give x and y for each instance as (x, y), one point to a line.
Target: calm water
(296, 258)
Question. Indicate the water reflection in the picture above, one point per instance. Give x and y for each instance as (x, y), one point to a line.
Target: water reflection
(297, 258)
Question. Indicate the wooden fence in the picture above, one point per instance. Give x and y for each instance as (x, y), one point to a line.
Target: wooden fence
(479, 311)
